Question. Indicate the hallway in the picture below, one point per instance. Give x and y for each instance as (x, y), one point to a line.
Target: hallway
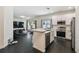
(24, 45)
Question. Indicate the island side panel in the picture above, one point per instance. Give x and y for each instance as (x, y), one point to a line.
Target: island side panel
(39, 41)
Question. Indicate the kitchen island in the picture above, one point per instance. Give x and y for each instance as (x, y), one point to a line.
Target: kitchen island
(42, 39)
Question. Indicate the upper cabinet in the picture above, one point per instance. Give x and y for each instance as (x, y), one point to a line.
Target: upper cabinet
(68, 20)
(66, 17)
(54, 20)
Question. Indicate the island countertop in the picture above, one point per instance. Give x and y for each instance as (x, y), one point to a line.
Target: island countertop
(40, 30)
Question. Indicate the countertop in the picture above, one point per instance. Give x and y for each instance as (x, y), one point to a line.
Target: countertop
(40, 30)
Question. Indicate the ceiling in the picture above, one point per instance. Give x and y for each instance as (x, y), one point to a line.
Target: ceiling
(37, 10)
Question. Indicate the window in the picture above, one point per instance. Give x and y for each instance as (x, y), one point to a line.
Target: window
(46, 24)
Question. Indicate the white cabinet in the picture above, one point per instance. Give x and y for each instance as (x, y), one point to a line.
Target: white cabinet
(54, 30)
(68, 32)
(51, 36)
(67, 18)
(68, 21)
(54, 20)
(68, 35)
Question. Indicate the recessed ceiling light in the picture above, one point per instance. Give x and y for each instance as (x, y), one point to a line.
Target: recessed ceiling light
(22, 16)
(28, 17)
(70, 7)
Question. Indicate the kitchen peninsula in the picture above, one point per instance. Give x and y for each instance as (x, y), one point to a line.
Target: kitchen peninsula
(42, 39)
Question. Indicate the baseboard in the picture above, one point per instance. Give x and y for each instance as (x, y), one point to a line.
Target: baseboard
(68, 39)
(4, 46)
(63, 38)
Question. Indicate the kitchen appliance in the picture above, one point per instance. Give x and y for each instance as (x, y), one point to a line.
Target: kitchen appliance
(61, 30)
(61, 22)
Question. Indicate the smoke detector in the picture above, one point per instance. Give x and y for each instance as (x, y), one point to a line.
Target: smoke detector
(48, 8)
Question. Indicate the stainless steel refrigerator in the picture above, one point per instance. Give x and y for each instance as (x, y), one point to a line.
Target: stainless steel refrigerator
(73, 33)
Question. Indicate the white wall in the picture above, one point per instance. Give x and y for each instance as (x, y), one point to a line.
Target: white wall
(77, 30)
(6, 25)
(1, 28)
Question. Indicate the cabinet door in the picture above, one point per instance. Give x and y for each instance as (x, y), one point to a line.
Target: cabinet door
(68, 32)
(47, 36)
(68, 35)
(54, 30)
(54, 20)
(68, 21)
(51, 36)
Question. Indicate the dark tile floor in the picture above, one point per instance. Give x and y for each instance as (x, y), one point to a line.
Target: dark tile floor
(60, 46)
(24, 45)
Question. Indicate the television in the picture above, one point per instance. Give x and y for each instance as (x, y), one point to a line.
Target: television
(21, 24)
(15, 24)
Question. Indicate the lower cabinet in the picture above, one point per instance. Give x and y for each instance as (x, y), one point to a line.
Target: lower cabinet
(68, 32)
(47, 39)
(68, 35)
